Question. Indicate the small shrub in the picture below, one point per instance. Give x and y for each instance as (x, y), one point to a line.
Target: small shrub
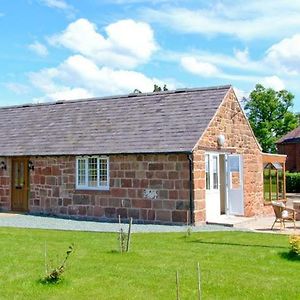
(293, 182)
(295, 244)
(123, 240)
(189, 231)
(55, 273)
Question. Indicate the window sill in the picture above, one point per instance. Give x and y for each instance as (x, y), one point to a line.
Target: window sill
(92, 189)
(268, 203)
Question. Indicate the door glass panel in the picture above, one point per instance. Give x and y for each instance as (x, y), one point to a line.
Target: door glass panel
(21, 174)
(215, 173)
(235, 174)
(207, 172)
(16, 174)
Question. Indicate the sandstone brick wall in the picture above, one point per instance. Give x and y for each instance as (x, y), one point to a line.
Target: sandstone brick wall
(231, 122)
(52, 189)
(5, 184)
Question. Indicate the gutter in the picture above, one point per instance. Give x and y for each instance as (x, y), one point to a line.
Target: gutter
(190, 157)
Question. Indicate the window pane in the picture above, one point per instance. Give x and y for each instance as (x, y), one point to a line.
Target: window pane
(280, 184)
(215, 173)
(234, 164)
(267, 184)
(207, 175)
(274, 184)
(92, 171)
(81, 171)
(103, 172)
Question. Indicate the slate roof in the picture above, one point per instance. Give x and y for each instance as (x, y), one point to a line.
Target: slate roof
(291, 137)
(171, 121)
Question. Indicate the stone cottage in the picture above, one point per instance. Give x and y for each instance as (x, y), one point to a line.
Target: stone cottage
(178, 156)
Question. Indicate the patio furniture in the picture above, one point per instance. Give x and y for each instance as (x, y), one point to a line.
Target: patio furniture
(296, 206)
(283, 214)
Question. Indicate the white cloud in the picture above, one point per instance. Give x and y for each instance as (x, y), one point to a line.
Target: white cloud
(198, 67)
(79, 77)
(128, 43)
(38, 48)
(242, 55)
(60, 5)
(273, 18)
(241, 94)
(202, 68)
(286, 54)
(17, 88)
(273, 82)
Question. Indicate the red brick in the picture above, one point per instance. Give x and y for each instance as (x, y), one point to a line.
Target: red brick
(151, 215)
(173, 175)
(155, 166)
(163, 215)
(141, 203)
(98, 211)
(130, 174)
(118, 192)
(173, 194)
(168, 184)
(179, 216)
(126, 183)
(125, 166)
(155, 184)
(133, 213)
(110, 212)
(131, 193)
(122, 212)
(168, 204)
(161, 175)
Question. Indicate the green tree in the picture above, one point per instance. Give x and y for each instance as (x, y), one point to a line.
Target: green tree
(269, 114)
(157, 88)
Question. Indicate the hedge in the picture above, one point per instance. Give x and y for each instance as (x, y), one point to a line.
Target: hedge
(293, 182)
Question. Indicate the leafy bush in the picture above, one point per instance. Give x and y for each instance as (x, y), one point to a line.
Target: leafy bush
(295, 244)
(293, 182)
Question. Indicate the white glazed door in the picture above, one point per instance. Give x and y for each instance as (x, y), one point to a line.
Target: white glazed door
(212, 191)
(235, 184)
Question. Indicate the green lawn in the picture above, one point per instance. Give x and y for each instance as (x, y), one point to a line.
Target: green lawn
(234, 265)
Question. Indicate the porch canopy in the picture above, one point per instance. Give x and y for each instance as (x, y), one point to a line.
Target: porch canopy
(274, 177)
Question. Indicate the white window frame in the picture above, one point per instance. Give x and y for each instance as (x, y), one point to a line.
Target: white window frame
(85, 186)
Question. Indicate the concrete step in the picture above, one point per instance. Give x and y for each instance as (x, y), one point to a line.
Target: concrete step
(230, 221)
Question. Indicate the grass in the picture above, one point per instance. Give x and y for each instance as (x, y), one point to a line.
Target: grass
(234, 265)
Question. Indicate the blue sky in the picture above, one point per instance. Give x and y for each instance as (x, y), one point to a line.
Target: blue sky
(63, 49)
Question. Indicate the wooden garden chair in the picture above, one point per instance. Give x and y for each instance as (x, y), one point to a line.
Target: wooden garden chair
(283, 214)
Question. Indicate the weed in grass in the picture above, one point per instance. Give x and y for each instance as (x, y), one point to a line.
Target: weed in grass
(188, 231)
(54, 275)
(124, 238)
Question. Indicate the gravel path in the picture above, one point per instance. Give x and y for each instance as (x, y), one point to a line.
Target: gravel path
(29, 221)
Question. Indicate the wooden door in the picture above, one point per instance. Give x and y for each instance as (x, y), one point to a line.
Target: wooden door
(19, 195)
